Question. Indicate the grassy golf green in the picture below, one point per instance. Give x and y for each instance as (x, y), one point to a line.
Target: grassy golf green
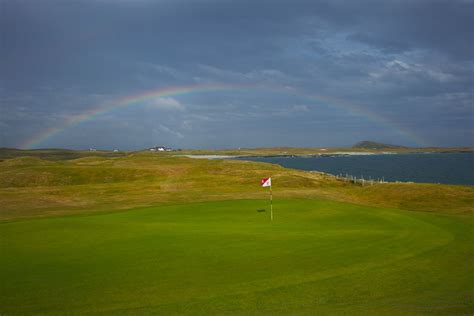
(227, 257)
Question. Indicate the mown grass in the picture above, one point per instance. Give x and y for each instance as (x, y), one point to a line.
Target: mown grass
(225, 257)
(154, 234)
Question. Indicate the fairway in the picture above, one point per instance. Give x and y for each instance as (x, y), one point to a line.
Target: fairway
(226, 257)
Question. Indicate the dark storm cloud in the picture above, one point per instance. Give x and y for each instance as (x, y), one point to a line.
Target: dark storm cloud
(408, 61)
(441, 26)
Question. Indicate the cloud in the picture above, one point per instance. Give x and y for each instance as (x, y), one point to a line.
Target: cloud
(168, 130)
(408, 61)
(258, 75)
(299, 108)
(166, 103)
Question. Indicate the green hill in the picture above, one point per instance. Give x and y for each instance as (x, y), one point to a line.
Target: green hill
(366, 144)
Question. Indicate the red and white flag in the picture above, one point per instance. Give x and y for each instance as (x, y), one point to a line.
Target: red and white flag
(266, 182)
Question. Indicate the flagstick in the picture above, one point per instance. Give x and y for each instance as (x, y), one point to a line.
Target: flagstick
(271, 203)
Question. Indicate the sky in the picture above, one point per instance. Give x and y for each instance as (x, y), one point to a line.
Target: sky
(243, 73)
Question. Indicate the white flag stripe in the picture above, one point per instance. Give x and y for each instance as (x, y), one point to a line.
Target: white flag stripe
(267, 183)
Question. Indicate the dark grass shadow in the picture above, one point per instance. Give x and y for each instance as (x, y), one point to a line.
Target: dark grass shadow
(261, 210)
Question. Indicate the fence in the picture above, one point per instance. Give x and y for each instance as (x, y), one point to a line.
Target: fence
(362, 181)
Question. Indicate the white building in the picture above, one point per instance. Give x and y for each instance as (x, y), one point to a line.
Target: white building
(160, 148)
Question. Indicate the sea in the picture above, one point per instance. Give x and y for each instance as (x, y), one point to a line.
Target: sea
(447, 168)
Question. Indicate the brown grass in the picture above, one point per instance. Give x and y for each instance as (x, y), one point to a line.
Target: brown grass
(37, 188)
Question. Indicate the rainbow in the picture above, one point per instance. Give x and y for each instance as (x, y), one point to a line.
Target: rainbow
(140, 98)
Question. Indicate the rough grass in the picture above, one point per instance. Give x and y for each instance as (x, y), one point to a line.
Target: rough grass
(276, 151)
(317, 257)
(55, 154)
(67, 154)
(33, 187)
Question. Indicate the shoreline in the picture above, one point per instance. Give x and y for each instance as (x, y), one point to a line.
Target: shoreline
(330, 154)
(354, 175)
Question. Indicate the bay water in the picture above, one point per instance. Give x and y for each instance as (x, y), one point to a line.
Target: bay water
(448, 168)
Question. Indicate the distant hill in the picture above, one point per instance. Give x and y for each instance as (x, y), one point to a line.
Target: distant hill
(366, 144)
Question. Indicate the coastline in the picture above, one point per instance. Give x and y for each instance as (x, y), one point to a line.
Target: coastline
(329, 154)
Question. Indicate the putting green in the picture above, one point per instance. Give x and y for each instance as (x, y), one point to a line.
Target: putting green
(227, 257)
